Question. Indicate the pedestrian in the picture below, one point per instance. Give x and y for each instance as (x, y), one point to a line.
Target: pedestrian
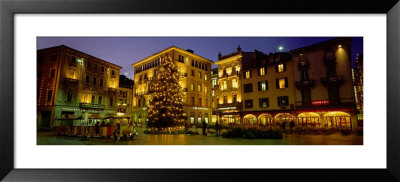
(97, 128)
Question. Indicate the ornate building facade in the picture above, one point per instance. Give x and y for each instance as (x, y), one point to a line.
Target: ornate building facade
(74, 85)
(310, 87)
(195, 79)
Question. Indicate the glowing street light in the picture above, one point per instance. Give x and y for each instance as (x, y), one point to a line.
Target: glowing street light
(280, 48)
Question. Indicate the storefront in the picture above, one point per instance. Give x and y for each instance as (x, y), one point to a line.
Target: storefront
(266, 120)
(309, 119)
(338, 120)
(284, 118)
(249, 119)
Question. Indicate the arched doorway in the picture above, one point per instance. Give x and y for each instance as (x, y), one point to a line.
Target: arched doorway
(265, 120)
(284, 119)
(309, 119)
(249, 119)
(338, 119)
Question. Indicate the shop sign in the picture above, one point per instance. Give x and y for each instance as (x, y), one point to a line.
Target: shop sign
(320, 102)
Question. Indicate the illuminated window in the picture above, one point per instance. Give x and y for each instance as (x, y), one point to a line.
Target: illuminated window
(199, 74)
(263, 86)
(213, 93)
(280, 68)
(192, 117)
(199, 118)
(199, 87)
(262, 71)
(214, 82)
(282, 83)
(234, 83)
(191, 86)
(248, 74)
(225, 99)
(205, 76)
(264, 102)
(205, 89)
(224, 85)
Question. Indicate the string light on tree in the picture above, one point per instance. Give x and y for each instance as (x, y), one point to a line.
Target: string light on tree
(166, 107)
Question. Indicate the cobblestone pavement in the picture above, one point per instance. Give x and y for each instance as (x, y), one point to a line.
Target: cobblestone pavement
(46, 138)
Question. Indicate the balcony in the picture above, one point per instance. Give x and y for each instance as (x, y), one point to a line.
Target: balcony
(110, 89)
(303, 64)
(183, 74)
(141, 93)
(333, 80)
(91, 106)
(226, 75)
(71, 80)
(305, 84)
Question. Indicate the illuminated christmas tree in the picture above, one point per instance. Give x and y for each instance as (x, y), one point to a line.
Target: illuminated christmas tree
(165, 109)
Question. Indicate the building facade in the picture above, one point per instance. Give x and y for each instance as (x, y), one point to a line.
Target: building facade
(195, 79)
(309, 87)
(125, 97)
(74, 85)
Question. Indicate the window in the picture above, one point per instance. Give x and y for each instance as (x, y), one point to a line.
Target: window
(282, 83)
(93, 99)
(89, 65)
(214, 82)
(139, 102)
(95, 67)
(69, 96)
(205, 89)
(280, 68)
(264, 102)
(94, 80)
(224, 85)
(141, 77)
(192, 62)
(112, 72)
(49, 95)
(248, 87)
(283, 101)
(73, 60)
(112, 101)
(234, 84)
(100, 98)
(101, 82)
(248, 74)
(205, 76)
(193, 101)
(192, 117)
(200, 103)
(213, 93)
(87, 79)
(261, 71)
(234, 98)
(263, 86)
(248, 103)
(195, 64)
(191, 86)
(199, 87)
(199, 118)
(199, 74)
(102, 69)
(192, 72)
(225, 99)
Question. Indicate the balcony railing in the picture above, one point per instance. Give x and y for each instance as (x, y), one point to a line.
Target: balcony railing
(305, 83)
(333, 80)
(71, 80)
(141, 93)
(91, 106)
(110, 89)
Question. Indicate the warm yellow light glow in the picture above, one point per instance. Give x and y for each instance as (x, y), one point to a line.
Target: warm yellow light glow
(229, 71)
(247, 74)
(262, 71)
(120, 114)
(282, 83)
(234, 83)
(339, 45)
(224, 85)
(280, 68)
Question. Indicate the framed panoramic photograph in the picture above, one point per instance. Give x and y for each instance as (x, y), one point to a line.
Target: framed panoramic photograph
(201, 91)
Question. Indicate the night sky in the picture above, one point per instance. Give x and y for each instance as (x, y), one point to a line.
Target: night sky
(124, 51)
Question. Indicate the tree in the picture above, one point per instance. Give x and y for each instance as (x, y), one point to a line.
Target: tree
(165, 109)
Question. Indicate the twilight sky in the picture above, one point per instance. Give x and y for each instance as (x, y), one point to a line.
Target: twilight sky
(124, 51)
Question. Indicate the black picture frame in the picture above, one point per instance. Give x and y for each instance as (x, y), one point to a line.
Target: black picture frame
(9, 8)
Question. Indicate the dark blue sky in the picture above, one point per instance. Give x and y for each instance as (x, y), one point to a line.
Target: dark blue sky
(125, 51)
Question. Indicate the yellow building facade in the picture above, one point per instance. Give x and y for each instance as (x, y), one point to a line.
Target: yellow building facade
(195, 79)
(74, 85)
